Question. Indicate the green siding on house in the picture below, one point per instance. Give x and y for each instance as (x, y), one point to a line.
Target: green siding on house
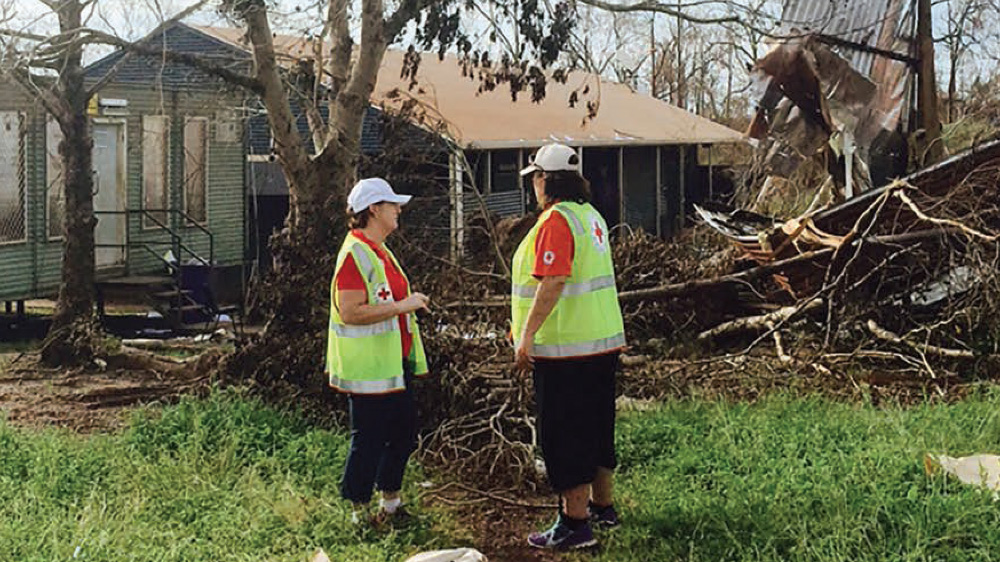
(18, 275)
(225, 196)
(31, 268)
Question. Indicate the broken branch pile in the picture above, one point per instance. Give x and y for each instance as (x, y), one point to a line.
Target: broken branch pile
(908, 272)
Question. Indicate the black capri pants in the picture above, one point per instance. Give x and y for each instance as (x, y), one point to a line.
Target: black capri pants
(575, 400)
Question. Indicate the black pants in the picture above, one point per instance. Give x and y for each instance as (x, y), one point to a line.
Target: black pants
(576, 417)
(383, 435)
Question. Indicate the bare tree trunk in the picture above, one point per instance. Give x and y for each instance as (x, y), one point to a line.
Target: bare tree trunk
(75, 335)
(952, 86)
(927, 96)
(305, 251)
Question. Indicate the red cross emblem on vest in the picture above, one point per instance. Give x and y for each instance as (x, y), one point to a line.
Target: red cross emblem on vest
(382, 293)
(598, 234)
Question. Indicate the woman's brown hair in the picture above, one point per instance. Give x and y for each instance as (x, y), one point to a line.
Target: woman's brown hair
(565, 185)
(357, 220)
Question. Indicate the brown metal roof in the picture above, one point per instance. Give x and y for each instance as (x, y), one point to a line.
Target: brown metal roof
(493, 120)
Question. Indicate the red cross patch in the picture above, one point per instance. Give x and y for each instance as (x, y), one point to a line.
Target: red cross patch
(382, 293)
(598, 234)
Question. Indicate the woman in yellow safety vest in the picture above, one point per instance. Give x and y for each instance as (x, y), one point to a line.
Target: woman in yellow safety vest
(567, 328)
(374, 350)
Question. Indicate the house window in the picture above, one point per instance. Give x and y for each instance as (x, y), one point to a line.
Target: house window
(195, 167)
(55, 191)
(504, 171)
(477, 170)
(227, 126)
(12, 207)
(155, 195)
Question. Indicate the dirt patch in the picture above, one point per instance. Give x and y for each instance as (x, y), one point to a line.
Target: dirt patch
(499, 522)
(91, 400)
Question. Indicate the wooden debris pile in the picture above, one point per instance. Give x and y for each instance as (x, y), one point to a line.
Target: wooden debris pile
(903, 278)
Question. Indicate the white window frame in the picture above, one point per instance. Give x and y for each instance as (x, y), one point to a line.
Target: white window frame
(146, 223)
(20, 173)
(53, 136)
(184, 179)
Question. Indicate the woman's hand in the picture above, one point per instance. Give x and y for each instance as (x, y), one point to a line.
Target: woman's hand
(414, 302)
(523, 360)
(354, 307)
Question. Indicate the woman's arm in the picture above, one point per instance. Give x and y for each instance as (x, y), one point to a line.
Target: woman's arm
(354, 307)
(546, 296)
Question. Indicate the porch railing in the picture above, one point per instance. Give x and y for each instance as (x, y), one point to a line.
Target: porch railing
(177, 245)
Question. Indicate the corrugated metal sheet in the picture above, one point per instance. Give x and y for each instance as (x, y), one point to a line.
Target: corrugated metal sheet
(873, 23)
(889, 25)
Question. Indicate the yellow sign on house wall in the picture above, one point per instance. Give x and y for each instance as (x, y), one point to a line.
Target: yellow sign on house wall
(92, 107)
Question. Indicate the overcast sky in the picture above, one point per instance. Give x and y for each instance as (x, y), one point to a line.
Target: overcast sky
(132, 19)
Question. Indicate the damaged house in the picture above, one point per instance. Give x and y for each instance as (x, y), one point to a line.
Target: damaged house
(894, 244)
(841, 87)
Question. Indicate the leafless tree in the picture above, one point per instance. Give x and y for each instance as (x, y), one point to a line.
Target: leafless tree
(50, 68)
(969, 24)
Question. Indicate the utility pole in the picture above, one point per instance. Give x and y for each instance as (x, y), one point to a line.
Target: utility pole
(681, 91)
(652, 53)
(932, 149)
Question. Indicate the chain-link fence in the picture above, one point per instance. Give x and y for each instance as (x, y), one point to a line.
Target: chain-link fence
(12, 185)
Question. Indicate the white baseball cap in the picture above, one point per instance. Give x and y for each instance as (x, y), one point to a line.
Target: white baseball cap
(369, 191)
(553, 157)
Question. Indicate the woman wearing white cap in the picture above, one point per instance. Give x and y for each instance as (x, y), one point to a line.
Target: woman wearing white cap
(374, 349)
(567, 328)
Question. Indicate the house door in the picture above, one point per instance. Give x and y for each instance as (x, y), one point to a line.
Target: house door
(109, 194)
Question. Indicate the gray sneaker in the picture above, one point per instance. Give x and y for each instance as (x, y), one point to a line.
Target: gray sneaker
(561, 537)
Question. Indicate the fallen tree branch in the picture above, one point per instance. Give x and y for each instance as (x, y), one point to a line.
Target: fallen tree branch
(972, 233)
(758, 323)
(886, 335)
(743, 277)
(503, 499)
(778, 346)
(166, 345)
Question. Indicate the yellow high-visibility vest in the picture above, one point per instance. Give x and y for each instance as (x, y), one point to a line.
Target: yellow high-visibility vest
(587, 319)
(368, 359)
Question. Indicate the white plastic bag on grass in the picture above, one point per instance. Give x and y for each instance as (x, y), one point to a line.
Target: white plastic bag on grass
(977, 470)
(454, 555)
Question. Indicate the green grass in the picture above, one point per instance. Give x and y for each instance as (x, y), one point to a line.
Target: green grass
(227, 478)
(221, 479)
(802, 479)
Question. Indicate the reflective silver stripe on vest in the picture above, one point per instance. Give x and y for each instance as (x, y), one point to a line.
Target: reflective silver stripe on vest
(580, 348)
(573, 220)
(364, 330)
(364, 263)
(369, 387)
(524, 291)
(570, 289)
